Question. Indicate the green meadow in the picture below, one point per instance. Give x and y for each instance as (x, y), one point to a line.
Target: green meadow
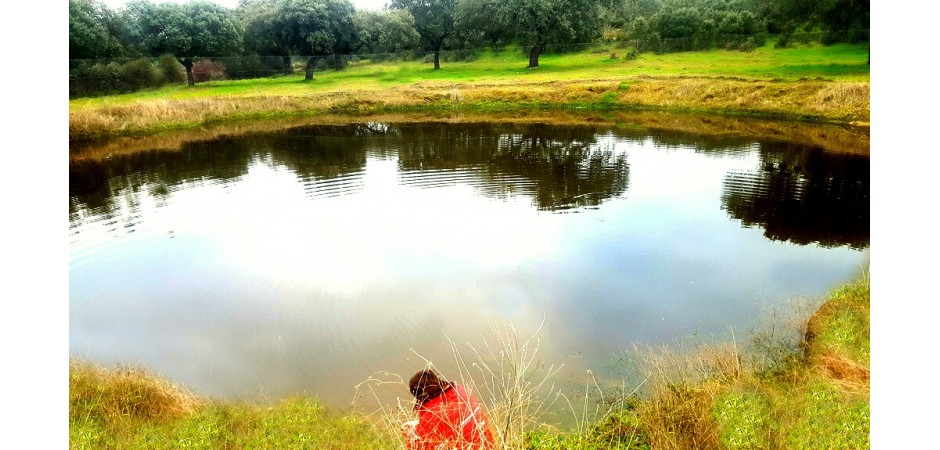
(842, 62)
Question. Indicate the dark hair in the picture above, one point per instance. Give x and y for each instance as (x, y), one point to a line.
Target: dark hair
(426, 384)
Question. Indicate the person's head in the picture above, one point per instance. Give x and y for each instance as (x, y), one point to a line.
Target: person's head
(426, 384)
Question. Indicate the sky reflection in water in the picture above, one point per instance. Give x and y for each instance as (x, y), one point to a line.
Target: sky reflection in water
(309, 259)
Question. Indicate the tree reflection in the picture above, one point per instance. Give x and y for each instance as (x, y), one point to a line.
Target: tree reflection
(798, 194)
(803, 195)
(559, 167)
(100, 186)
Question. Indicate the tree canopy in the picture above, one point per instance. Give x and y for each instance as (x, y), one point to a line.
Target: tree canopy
(94, 30)
(434, 22)
(310, 28)
(536, 24)
(386, 31)
(198, 28)
(266, 35)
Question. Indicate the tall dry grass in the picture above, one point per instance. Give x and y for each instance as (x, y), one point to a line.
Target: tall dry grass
(682, 384)
(505, 373)
(126, 393)
(517, 390)
(821, 100)
(129, 408)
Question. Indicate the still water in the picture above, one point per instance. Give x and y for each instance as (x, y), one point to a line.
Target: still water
(308, 259)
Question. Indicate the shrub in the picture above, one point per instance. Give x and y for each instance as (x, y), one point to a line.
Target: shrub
(738, 23)
(683, 29)
(114, 77)
(748, 45)
(139, 73)
(170, 69)
(208, 70)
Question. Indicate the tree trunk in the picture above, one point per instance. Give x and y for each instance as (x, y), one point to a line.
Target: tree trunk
(534, 55)
(308, 75)
(188, 64)
(437, 58)
(288, 68)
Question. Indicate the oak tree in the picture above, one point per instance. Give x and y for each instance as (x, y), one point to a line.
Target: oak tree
(434, 21)
(195, 29)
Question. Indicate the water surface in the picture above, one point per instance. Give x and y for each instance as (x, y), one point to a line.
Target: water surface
(308, 259)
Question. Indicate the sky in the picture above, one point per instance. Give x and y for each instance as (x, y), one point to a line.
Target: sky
(360, 4)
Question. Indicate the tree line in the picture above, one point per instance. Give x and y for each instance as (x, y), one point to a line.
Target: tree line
(325, 30)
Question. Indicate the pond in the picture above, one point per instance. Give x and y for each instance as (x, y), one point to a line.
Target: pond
(308, 259)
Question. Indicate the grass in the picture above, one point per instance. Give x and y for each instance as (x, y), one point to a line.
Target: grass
(814, 394)
(126, 408)
(808, 83)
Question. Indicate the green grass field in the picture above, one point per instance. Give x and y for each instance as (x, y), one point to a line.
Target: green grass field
(837, 62)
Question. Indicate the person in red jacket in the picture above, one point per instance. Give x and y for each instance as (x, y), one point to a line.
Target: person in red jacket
(448, 416)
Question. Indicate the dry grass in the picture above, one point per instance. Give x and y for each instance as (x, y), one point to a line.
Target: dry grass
(126, 408)
(683, 383)
(679, 417)
(506, 375)
(502, 372)
(780, 393)
(837, 339)
(819, 100)
(126, 393)
(837, 101)
(833, 138)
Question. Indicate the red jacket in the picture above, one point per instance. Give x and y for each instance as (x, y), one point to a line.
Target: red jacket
(452, 420)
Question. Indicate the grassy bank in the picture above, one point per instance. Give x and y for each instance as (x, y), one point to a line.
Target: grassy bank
(775, 396)
(127, 408)
(814, 83)
(780, 394)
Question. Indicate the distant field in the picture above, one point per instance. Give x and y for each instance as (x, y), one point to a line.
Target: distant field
(836, 62)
